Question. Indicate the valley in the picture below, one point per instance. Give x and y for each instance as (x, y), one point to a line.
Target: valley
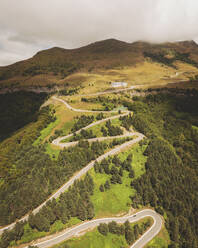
(87, 153)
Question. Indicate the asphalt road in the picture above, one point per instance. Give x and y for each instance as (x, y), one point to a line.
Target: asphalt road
(82, 110)
(59, 139)
(86, 168)
(145, 238)
(87, 226)
(109, 91)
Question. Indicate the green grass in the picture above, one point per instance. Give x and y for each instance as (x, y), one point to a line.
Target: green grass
(67, 127)
(157, 243)
(59, 226)
(97, 129)
(116, 122)
(116, 200)
(162, 240)
(33, 234)
(94, 239)
(46, 131)
(52, 152)
(195, 128)
(138, 158)
(122, 108)
(113, 201)
(29, 235)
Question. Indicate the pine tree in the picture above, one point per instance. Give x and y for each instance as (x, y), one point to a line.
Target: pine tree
(90, 211)
(82, 212)
(131, 173)
(136, 231)
(103, 229)
(107, 185)
(101, 188)
(121, 172)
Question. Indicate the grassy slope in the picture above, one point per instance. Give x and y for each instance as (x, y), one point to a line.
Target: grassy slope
(116, 200)
(111, 202)
(32, 234)
(195, 128)
(98, 64)
(52, 150)
(65, 121)
(149, 73)
(46, 132)
(162, 240)
(94, 239)
(85, 105)
(97, 129)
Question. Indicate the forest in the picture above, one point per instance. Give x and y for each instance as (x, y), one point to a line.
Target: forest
(170, 183)
(162, 58)
(73, 203)
(111, 130)
(114, 166)
(39, 176)
(27, 169)
(131, 233)
(18, 109)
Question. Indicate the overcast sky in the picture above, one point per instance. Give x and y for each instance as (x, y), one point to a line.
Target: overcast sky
(27, 26)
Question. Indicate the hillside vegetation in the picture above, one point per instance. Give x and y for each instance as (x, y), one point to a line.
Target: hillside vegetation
(17, 110)
(112, 58)
(160, 172)
(170, 182)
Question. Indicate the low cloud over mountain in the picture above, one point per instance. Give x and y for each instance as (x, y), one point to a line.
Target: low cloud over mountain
(27, 26)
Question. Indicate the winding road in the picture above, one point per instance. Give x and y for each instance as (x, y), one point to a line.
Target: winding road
(87, 226)
(82, 110)
(68, 233)
(110, 91)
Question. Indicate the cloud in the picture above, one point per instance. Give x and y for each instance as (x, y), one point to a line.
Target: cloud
(27, 26)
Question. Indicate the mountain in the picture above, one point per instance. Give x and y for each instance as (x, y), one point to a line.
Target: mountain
(51, 66)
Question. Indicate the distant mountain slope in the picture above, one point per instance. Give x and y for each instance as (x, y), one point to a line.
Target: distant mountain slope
(48, 67)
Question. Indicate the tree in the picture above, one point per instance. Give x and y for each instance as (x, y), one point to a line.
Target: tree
(103, 229)
(136, 231)
(101, 188)
(18, 230)
(90, 211)
(107, 185)
(121, 172)
(129, 158)
(82, 212)
(64, 217)
(114, 170)
(116, 179)
(96, 167)
(129, 234)
(114, 227)
(116, 161)
(175, 230)
(131, 173)
(48, 213)
(41, 223)
(5, 239)
(100, 116)
(31, 220)
(104, 131)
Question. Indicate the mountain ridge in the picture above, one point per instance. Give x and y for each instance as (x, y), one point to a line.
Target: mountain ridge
(52, 65)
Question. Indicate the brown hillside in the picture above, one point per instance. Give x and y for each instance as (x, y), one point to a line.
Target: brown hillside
(51, 66)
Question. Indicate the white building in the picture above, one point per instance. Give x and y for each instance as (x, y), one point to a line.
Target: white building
(118, 84)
